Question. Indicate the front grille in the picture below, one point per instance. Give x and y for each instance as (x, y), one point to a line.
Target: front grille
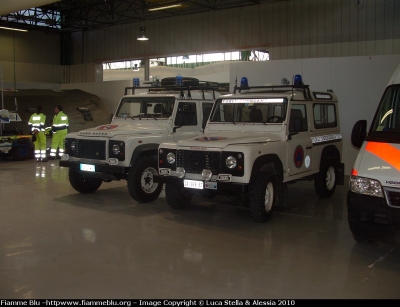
(393, 197)
(89, 149)
(196, 161)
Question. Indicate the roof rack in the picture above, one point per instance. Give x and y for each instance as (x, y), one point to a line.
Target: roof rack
(272, 88)
(175, 88)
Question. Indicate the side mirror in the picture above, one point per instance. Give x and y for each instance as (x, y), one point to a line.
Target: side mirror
(359, 133)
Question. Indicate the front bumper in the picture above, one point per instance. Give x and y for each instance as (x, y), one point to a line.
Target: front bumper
(371, 218)
(221, 186)
(103, 171)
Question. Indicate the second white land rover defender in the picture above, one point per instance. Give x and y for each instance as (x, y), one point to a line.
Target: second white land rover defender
(256, 140)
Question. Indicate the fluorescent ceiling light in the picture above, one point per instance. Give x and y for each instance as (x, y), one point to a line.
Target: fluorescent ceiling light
(142, 36)
(165, 7)
(6, 28)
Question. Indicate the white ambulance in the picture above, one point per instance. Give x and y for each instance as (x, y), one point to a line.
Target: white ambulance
(373, 199)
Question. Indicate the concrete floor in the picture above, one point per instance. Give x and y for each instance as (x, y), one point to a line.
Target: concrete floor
(58, 244)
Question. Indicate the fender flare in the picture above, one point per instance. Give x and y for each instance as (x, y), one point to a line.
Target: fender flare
(329, 152)
(270, 162)
(150, 149)
(332, 153)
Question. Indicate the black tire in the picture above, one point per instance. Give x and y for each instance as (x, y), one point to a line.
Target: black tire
(263, 197)
(83, 184)
(20, 153)
(361, 239)
(141, 185)
(177, 197)
(325, 180)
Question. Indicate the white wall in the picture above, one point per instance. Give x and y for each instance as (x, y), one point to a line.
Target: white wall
(358, 82)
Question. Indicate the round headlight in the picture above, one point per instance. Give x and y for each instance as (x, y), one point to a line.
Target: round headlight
(73, 145)
(231, 162)
(180, 172)
(116, 150)
(171, 158)
(206, 174)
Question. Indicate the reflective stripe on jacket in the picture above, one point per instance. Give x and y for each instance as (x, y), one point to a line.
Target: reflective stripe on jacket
(37, 121)
(60, 121)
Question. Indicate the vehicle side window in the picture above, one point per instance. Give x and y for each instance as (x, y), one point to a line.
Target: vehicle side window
(298, 118)
(324, 115)
(186, 114)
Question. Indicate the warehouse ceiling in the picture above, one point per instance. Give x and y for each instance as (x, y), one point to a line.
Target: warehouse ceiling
(79, 15)
(10, 6)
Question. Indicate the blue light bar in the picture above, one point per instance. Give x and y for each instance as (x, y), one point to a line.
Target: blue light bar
(244, 82)
(178, 80)
(136, 82)
(298, 80)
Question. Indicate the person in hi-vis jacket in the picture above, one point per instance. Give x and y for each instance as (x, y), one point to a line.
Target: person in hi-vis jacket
(60, 130)
(36, 123)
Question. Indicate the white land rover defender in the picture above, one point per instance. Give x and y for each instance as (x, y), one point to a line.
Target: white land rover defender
(257, 140)
(127, 147)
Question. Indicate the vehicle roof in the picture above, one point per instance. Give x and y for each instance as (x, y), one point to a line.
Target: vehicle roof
(295, 94)
(153, 94)
(194, 95)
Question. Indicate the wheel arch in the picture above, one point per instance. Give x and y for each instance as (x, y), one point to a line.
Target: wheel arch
(271, 163)
(149, 150)
(332, 154)
(329, 153)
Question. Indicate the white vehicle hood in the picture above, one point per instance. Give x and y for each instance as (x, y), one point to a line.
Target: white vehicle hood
(137, 127)
(380, 161)
(221, 140)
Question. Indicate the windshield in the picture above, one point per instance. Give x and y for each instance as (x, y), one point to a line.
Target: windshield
(386, 122)
(139, 107)
(249, 110)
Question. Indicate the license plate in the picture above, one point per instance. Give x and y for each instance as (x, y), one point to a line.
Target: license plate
(193, 184)
(87, 167)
